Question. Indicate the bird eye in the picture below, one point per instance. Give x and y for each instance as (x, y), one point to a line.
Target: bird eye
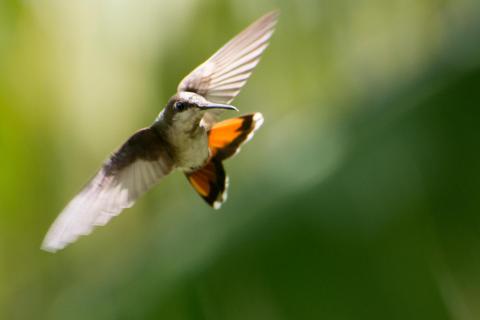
(180, 106)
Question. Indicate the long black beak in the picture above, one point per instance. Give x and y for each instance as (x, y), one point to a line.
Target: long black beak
(210, 105)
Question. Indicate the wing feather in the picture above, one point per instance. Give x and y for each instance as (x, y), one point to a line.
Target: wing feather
(128, 174)
(232, 64)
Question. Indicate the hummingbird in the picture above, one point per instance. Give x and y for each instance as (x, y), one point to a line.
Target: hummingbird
(186, 136)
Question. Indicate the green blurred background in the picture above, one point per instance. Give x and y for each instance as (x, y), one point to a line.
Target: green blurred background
(358, 199)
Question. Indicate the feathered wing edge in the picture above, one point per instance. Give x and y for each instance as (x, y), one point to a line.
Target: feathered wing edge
(124, 178)
(220, 78)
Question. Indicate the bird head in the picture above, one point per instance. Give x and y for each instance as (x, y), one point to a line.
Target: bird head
(186, 109)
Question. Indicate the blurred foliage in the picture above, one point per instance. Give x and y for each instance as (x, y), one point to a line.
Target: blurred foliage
(358, 199)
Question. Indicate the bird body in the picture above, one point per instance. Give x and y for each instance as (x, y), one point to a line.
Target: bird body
(185, 136)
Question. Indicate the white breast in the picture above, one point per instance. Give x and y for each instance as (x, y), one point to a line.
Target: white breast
(191, 151)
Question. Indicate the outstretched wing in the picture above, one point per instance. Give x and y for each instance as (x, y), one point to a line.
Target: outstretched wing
(138, 165)
(220, 78)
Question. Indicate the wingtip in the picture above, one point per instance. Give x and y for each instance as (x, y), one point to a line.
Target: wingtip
(52, 244)
(272, 15)
(268, 21)
(50, 248)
